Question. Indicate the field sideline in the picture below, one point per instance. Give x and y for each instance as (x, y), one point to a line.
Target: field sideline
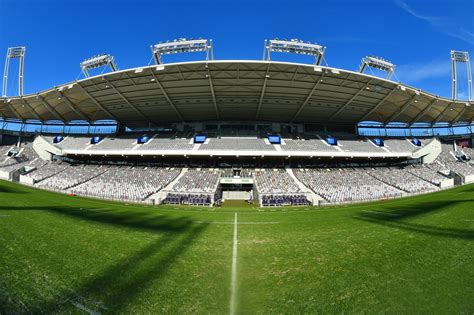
(69, 254)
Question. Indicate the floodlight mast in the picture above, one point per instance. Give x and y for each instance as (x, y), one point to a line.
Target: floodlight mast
(182, 45)
(12, 53)
(97, 62)
(377, 63)
(294, 46)
(461, 57)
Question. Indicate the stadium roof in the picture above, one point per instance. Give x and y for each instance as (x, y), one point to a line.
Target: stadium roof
(230, 90)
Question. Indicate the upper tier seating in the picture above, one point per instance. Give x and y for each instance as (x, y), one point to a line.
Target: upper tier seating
(167, 144)
(398, 145)
(307, 145)
(74, 143)
(239, 144)
(111, 143)
(355, 145)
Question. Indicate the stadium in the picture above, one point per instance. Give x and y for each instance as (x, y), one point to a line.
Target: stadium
(236, 186)
(269, 132)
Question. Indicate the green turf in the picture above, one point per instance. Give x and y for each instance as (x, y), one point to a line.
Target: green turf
(241, 204)
(70, 255)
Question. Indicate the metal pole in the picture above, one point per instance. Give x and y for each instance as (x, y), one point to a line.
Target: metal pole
(5, 74)
(469, 78)
(453, 75)
(20, 72)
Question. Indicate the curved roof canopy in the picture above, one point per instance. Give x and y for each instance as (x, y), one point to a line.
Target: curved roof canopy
(236, 91)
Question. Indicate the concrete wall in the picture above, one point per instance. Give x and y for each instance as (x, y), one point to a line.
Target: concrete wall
(5, 175)
(45, 149)
(468, 179)
(429, 152)
(447, 183)
(26, 180)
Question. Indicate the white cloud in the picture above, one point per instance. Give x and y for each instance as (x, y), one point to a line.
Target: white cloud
(415, 73)
(449, 27)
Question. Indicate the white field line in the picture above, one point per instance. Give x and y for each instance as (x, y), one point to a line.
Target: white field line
(233, 282)
(85, 309)
(5, 215)
(233, 222)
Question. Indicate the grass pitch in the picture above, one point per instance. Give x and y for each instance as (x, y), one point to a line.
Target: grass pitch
(75, 255)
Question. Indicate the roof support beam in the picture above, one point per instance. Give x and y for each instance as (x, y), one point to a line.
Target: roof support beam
(130, 78)
(458, 116)
(423, 112)
(73, 107)
(262, 93)
(340, 109)
(32, 111)
(438, 118)
(380, 103)
(51, 109)
(139, 112)
(294, 74)
(347, 78)
(308, 97)
(99, 105)
(166, 96)
(216, 107)
(14, 111)
(399, 111)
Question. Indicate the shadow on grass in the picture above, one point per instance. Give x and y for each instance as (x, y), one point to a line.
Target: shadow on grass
(8, 190)
(117, 287)
(396, 216)
(138, 220)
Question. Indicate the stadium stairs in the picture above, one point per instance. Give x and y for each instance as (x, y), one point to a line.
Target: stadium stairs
(161, 195)
(314, 198)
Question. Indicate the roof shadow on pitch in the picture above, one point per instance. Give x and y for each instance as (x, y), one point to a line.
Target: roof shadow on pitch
(399, 217)
(8, 190)
(115, 289)
(136, 220)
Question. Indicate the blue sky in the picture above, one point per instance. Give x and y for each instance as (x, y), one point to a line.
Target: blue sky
(416, 35)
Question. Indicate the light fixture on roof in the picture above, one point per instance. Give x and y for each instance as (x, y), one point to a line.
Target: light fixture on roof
(461, 57)
(97, 62)
(182, 45)
(377, 63)
(14, 53)
(294, 46)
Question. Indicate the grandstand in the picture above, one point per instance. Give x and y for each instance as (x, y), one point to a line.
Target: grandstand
(206, 180)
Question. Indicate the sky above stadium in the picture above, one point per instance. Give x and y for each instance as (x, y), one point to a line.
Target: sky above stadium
(416, 35)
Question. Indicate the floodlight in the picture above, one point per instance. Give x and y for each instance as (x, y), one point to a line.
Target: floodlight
(377, 63)
(294, 46)
(182, 45)
(461, 57)
(97, 62)
(14, 53)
